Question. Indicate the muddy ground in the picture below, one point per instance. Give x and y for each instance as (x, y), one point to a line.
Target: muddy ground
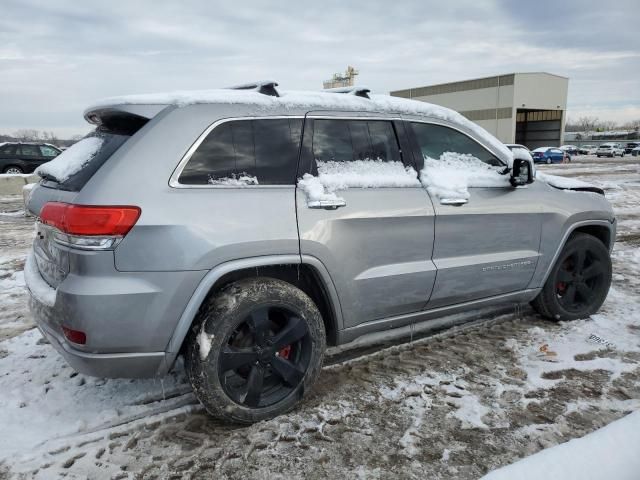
(452, 404)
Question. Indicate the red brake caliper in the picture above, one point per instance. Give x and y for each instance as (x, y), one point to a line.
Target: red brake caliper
(284, 352)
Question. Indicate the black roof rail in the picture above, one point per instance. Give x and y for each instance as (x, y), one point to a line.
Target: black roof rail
(357, 91)
(266, 87)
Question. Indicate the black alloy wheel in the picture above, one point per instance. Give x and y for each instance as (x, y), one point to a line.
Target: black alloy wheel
(579, 279)
(265, 357)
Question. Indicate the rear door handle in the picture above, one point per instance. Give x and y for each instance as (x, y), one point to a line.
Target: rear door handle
(456, 202)
(327, 204)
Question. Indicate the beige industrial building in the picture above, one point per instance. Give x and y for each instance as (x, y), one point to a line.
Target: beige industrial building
(525, 108)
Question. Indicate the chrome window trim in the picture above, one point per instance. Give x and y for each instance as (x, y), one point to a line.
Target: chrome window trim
(173, 181)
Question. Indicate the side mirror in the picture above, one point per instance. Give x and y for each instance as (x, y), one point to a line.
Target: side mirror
(521, 172)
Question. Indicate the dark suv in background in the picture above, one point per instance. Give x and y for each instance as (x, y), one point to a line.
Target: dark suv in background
(628, 148)
(19, 157)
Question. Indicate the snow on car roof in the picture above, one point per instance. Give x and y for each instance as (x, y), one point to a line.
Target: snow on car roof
(542, 149)
(306, 100)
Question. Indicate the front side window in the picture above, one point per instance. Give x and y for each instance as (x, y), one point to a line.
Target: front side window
(246, 152)
(29, 150)
(48, 151)
(350, 140)
(435, 140)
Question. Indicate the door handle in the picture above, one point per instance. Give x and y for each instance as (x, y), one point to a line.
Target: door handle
(327, 204)
(456, 202)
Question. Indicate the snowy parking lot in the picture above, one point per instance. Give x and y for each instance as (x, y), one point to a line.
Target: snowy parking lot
(456, 403)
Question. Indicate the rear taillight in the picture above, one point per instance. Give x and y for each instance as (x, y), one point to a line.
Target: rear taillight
(75, 336)
(89, 226)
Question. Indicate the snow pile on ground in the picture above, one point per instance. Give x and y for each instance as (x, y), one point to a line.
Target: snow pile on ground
(336, 176)
(453, 174)
(606, 454)
(304, 101)
(44, 399)
(563, 182)
(72, 160)
(237, 180)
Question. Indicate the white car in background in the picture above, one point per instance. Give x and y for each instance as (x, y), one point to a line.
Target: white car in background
(588, 149)
(610, 150)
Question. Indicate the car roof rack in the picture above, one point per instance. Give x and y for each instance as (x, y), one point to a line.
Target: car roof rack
(357, 91)
(266, 87)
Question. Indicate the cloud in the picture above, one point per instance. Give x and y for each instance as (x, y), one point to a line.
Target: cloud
(68, 54)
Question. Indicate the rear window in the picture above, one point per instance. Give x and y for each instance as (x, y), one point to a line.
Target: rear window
(73, 168)
(246, 152)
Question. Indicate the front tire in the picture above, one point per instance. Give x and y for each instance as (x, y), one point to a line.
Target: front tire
(256, 347)
(579, 281)
(548, 161)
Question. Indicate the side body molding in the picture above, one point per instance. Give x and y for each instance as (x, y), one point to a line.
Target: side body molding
(209, 280)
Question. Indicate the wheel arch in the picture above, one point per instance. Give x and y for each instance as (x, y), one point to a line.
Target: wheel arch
(603, 230)
(306, 273)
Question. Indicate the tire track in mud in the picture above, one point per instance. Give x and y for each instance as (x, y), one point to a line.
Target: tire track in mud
(358, 418)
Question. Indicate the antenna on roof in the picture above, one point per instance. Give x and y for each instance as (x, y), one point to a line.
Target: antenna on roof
(357, 91)
(266, 87)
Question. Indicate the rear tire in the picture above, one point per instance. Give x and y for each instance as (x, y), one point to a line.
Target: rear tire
(256, 347)
(579, 281)
(13, 170)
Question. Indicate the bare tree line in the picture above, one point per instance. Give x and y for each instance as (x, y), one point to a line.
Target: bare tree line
(33, 135)
(594, 124)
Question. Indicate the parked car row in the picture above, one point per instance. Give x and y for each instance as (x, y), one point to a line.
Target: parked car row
(24, 157)
(564, 153)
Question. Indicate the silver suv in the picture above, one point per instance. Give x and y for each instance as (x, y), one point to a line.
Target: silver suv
(610, 150)
(247, 229)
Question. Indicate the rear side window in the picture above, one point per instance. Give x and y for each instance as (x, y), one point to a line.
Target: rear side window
(246, 152)
(7, 149)
(349, 140)
(29, 150)
(434, 140)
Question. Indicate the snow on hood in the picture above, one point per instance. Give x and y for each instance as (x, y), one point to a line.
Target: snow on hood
(453, 174)
(307, 100)
(564, 183)
(72, 160)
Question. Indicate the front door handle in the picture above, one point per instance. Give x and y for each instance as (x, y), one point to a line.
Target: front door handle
(456, 202)
(327, 204)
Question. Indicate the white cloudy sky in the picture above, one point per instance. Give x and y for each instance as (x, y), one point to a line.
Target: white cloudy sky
(56, 56)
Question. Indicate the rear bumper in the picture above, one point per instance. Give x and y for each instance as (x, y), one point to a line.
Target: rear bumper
(109, 365)
(128, 318)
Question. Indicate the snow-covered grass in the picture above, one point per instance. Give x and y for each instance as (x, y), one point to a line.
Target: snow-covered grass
(606, 454)
(72, 160)
(44, 400)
